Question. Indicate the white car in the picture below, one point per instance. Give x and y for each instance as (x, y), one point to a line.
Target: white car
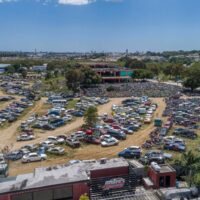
(107, 142)
(104, 137)
(79, 135)
(56, 150)
(169, 138)
(56, 140)
(47, 144)
(33, 157)
(25, 137)
(134, 148)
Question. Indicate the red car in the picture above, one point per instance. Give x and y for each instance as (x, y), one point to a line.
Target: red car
(109, 120)
(91, 139)
(115, 126)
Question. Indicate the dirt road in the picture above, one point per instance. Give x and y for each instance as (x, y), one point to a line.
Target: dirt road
(3, 105)
(88, 151)
(8, 135)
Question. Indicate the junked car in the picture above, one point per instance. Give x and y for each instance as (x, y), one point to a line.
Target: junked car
(56, 150)
(25, 137)
(111, 141)
(131, 152)
(33, 157)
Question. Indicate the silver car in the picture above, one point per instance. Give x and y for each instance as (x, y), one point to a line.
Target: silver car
(33, 157)
(56, 150)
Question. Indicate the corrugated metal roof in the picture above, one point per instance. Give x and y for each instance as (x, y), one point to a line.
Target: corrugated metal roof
(60, 174)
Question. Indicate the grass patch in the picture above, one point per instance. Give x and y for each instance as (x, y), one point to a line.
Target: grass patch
(45, 107)
(72, 103)
(54, 84)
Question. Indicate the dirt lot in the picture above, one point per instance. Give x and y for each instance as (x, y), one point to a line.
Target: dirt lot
(5, 104)
(86, 151)
(8, 135)
(42, 135)
(1, 93)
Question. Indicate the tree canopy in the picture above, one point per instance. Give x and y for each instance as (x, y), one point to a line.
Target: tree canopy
(192, 79)
(74, 78)
(142, 74)
(91, 116)
(132, 63)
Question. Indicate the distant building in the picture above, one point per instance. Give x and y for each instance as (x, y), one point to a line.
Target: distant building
(41, 68)
(113, 74)
(3, 67)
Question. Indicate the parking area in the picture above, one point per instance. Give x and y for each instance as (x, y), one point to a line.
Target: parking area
(178, 132)
(86, 151)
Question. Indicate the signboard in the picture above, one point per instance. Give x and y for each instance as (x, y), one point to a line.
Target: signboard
(115, 183)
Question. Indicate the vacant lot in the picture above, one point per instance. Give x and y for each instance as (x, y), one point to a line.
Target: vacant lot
(86, 151)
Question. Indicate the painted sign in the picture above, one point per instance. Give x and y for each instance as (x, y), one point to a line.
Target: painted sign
(114, 183)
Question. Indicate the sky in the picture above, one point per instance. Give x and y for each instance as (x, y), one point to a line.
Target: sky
(99, 25)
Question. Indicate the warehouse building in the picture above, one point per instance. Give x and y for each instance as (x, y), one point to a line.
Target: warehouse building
(104, 179)
(70, 181)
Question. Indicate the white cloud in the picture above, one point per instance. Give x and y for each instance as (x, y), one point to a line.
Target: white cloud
(65, 2)
(5, 1)
(75, 2)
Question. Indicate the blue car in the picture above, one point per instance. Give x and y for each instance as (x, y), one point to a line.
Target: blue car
(15, 155)
(120, 135)
(131, 152)
(175, 147)
(78, 114)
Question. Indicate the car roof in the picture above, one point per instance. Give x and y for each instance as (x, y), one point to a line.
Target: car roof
(134, 147)
(30, 154)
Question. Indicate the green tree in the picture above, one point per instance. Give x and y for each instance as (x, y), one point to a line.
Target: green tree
(178, 70)
(192, 79)
(24, 73)
(132, 63)
(89, 76)
(188, 165)
(168, 70)
(56, 73)
(154, 69)
(73, 78)
(191, 83)
(10, 69)
(48, 75)
(142, 74)
(91, 116)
